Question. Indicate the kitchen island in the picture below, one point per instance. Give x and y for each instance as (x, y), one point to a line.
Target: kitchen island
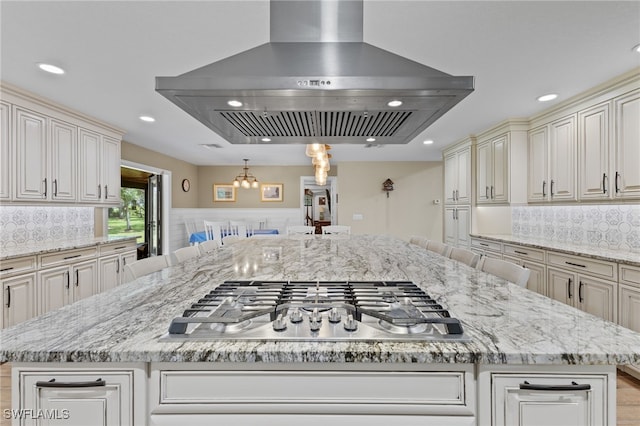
(515, 336)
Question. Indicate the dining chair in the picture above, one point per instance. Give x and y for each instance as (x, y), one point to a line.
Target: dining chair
(209, 246)
(186, 253)
(506, 270)
(190, 226)
(215, 230)
(300, 229)
(419, 241)
(144, 266)
(336, 229)
(438, 247)
(465, 256)
(239, 228)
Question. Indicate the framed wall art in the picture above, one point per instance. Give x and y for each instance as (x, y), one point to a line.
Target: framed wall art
(224, 192)
(271, 192)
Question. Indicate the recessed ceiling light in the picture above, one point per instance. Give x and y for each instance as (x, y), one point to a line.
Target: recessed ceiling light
(547, 98)
(50, 68)
(266, 139)
(371, 139)
(428, 142)
(394, 103)
(636, 48)
(147, 118)
(234, 103)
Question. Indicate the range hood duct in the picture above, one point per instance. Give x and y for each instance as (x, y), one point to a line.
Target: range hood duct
(316, 81)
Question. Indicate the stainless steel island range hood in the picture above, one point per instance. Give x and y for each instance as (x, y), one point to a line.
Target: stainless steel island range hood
(316, 81)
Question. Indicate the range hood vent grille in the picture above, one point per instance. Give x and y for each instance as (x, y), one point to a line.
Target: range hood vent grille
(308, 124)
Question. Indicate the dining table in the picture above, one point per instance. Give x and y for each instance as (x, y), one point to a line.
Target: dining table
(201, 236)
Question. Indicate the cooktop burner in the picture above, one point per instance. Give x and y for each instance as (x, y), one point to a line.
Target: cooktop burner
(316, 311)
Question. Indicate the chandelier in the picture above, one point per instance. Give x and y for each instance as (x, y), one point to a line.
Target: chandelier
(245, 180)
(320, 161)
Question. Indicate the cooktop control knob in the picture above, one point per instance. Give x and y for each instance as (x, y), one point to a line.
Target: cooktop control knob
(295, 316)
(334, 316)
(350, 324)
(279, 324)
(315, 325)
(315, 316)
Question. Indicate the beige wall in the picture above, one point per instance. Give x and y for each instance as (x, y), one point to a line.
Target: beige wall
(408, 210)
(289, 176)
(179, 170)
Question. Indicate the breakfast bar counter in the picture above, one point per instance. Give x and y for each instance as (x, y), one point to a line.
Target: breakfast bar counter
(507, 326)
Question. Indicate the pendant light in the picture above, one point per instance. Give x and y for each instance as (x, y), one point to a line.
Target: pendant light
(245, 180)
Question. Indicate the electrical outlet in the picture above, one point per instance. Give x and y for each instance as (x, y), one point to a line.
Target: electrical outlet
(358, 216)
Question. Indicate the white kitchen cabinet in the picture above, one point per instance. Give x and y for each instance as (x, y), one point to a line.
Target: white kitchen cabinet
(629, 304)
(18, 299)
(538, 276)
(558, 398)
(457, 174)
(488, 248)
(552, 161)
(63, 285)
(113, 259)
(593, 295)
(46, 158)
(593, 145)
(457, 224)
(76, 395)
(31, 163)
(6, 164)
(627, 146)
(99, 168)
(492, 170)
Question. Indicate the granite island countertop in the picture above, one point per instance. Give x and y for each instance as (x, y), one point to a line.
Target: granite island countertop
(620, 256)
(506, 324)
(55, 246)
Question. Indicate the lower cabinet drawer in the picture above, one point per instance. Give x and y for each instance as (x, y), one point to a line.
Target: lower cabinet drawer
(68, 256)
(315, 392)
(17, 266)
(595, 267)
(630, 274)
(549, 399)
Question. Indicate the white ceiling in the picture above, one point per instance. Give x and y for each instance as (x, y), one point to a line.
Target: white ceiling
(112, 52)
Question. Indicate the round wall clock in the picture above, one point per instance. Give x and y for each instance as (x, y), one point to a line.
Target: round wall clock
(186, 185)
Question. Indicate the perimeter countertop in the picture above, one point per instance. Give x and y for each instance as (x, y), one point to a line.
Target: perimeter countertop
(506, 323)
(55, 246)
(619, 256)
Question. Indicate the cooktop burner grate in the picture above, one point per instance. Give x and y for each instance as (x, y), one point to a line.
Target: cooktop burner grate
(316, 310)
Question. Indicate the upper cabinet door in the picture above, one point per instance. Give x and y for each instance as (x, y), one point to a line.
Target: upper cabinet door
(562, 159)
(499, 188)
(593, 143)
(627, 146)
(63, 161)
(463, 194)
(538, 185)
(90, 175)
(111, 170)
(483, 173)
(6, 169)
(450, 178)
(31, 156)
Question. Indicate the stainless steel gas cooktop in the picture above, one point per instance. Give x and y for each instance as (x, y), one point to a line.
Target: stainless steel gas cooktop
(316, 311)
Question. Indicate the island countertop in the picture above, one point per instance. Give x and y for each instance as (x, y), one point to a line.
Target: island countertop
(507, 324)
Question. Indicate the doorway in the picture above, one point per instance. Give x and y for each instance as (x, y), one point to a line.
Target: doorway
(319, 202)
(144, 210)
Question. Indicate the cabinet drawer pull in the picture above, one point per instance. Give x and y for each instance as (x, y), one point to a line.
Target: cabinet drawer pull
(8, 296)
(120, 248)
(53, 384)
(572, 387)
(6, 269)
(72, 257)
(617, 187)
(521, 252)
(484, 244)
(575, 264)
(604, 180)
(569, 295)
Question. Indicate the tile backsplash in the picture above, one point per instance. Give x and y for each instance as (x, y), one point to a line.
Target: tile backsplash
(24, 226)
(614, 227)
